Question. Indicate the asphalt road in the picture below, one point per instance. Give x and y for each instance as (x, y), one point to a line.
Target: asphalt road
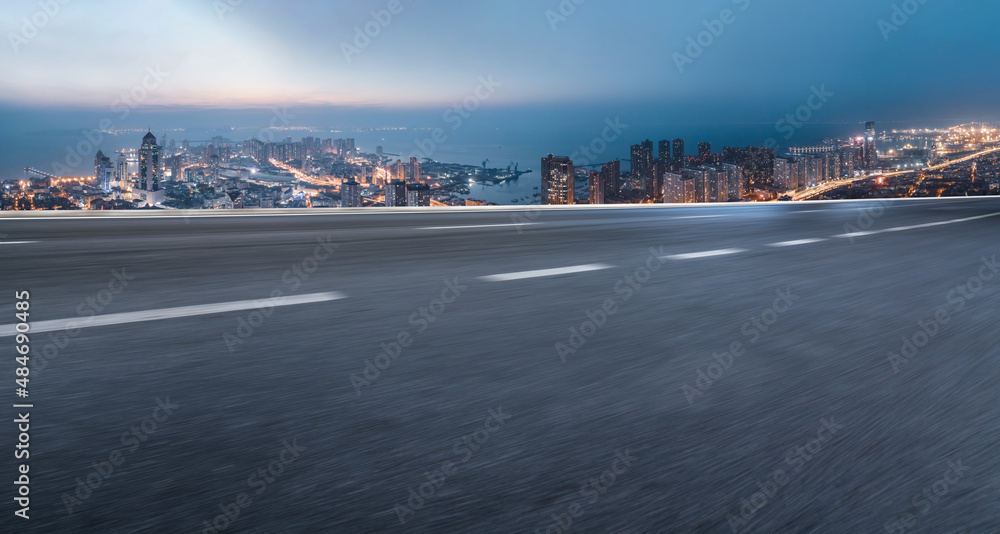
(744, 382)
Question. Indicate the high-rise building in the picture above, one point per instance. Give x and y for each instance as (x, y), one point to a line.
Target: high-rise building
(350, 194)
(678, 157)
(704, 152)
(398, 171)
(782, 174)
(734, 177)
(413, 171)
(718, 184)
(846, 162)
(558, 180)
(418, 195)
(642, 164)
(870, 150)
(611, 175)
(673, 188)
(756, 163)
(149, 164)
(664, 153)
(395, 194)
(121, 171)
(598, 188)
(378, 153)
(103, 171)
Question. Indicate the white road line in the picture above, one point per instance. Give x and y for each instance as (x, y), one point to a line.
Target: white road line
(16, 242)
(169, 313)
(808, 211)
(545, 272)
(698, 217)
(474, 226)
(707, 254)
(917, 226)
(798, 242)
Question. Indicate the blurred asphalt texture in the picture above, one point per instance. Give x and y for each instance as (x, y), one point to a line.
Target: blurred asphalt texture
(693, 466)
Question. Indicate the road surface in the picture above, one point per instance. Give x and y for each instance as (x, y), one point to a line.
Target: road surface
(658, 369)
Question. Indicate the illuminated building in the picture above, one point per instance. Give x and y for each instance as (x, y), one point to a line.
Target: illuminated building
(350, 194)
(413, 172)
(597, 187)
(782, 173)
(704, 152)
(395, 194)
(673, 188)
(870, 153)
(642, 165)
(734, 177)
(418, 195)
(678, 158)
(611, 175)
(558, 180)
(150, 173)
(103, 171)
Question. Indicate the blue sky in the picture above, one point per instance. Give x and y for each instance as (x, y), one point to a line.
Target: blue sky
(602, 55)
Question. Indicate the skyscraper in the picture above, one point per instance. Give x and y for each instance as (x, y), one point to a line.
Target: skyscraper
(664, 153)
(121, 171)
(598, 187)
(642, 164)
(558, 180)
(673, 188)
(678, 159)
(395, 194)
(413, 171)
(734, 175)
(611, 175)
(704, 152)
(870, 152)
(418, 195)
(350, 194)
(782, 174)
(103, 171)
(654, 190)
(149, 164)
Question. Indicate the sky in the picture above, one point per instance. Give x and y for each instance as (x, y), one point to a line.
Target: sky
(233, 54)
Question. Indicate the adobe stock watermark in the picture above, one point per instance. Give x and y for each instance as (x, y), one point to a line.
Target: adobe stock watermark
(923, 502)
(456, 116)
(866, 220)
(587, 154)
(90, 308)
(900, 16)
(706, 38)
(591, 491)
(294, 277)
(122, 106)
(929, 328)
(258, 481)
(566, 9)
(421, 320)
(224, 7)
(624, 290)
(793, 122)
(363, 37)
(30, 27)
(753, 329)
(131, 440)
(464, 449)
(795, 460)
(281, 118)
